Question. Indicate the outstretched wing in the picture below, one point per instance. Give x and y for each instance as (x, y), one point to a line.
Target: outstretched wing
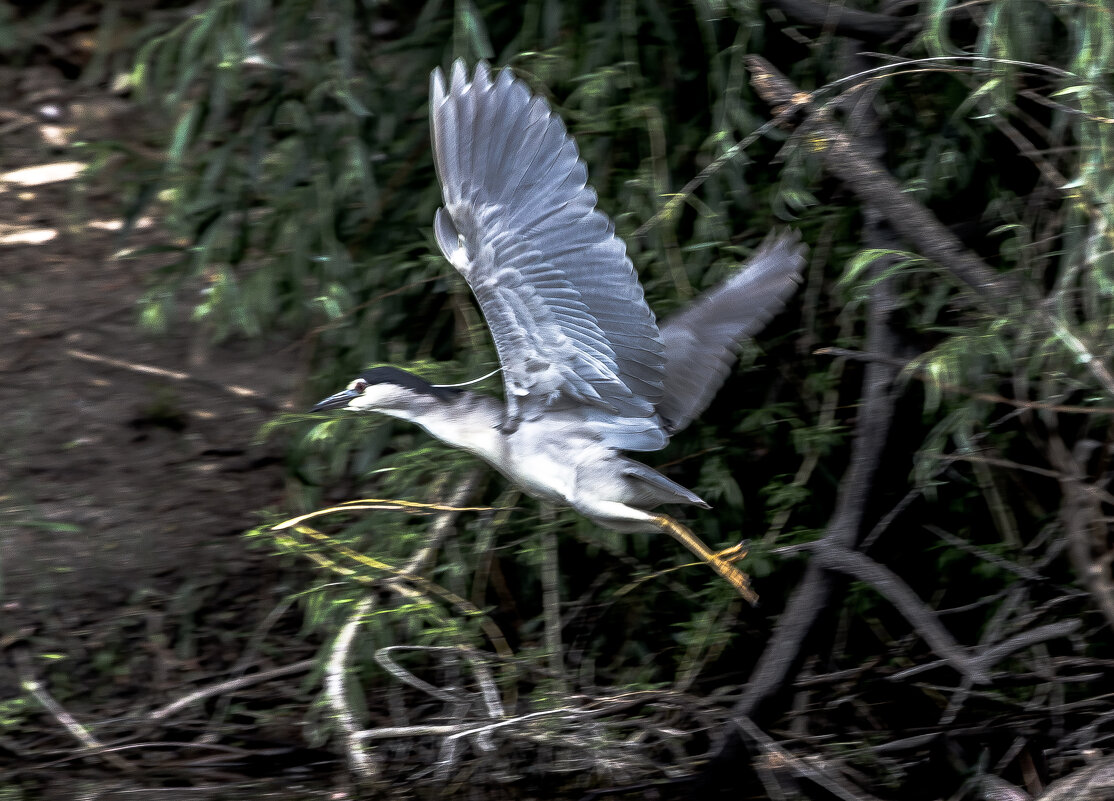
(702, 339)
(560, 296)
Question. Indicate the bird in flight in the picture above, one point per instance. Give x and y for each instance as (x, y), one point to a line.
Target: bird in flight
(588, 373)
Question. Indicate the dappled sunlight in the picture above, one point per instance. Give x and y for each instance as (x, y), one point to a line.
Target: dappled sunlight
(37, 175)
(40, 174)
(116, 225)
(17, 235)
(14, 233)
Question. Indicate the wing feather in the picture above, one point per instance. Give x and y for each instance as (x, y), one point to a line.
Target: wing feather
(554, 282)
(701, 340)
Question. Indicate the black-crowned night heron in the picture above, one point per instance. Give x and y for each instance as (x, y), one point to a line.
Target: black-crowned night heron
(587, 372)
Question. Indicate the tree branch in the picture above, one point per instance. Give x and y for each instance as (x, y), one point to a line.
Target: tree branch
(845, 159)
(842, 21)
(893, 589)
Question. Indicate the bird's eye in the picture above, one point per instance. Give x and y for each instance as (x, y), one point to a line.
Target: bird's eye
(359, 385)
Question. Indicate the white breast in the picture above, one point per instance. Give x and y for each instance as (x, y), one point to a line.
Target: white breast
(544, 465)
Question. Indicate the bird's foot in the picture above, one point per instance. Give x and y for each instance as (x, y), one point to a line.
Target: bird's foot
(736, 553)
(720, 562)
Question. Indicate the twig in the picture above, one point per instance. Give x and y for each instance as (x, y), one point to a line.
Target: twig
(487, 728)
(383, 657)
(260, 400)
(915, 370)
(246, 658)
(489, 692)
(805, 768)
(551, 605)
(1026, 639)
(427, 730)
(1083, 522)
(76, 730)
(888, 519)
(990, 558)
(999, 651)
(442, 526)
(229, 686)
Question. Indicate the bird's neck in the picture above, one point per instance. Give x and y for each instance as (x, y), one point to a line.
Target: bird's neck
(468, 421)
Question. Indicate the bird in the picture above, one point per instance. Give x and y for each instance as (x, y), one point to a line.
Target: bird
(588, 373)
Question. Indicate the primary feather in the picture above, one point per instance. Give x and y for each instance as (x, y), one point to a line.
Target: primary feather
(560, 295)
(701, 340)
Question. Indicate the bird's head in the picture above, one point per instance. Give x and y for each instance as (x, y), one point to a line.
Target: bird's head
(387, 390)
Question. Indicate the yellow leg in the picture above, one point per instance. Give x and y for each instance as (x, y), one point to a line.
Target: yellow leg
(736, 577)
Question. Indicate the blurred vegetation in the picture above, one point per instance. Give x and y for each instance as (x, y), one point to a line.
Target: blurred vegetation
(298, 174)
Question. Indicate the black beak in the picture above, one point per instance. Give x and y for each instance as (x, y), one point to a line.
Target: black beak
(338, 401)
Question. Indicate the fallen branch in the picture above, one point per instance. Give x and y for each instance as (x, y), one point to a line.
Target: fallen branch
(780, 759)
(79, 732)
(336, 693)
(232, 685)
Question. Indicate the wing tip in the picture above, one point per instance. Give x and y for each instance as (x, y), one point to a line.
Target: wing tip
(497, 143)
(458, 77)
(784, 241)
(457, 80)
(481, 75)
(436, 87)
(782, 256)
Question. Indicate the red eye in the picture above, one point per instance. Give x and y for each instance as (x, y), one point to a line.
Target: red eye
(360, 385)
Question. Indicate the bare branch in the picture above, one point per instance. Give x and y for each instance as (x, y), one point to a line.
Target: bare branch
(897, 592)
(1083, 521)
(845, 159)
(812, 769)
(243, 393)
(336, 693)
(811, 595)
(79, 732)
(999, 651)
(841, 20)
(229, 686)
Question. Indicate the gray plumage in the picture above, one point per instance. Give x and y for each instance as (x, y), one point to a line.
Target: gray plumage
(587, 372)
(564, 305)
(701, 340)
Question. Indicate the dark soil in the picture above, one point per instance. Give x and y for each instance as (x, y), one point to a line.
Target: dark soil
(125, 490)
